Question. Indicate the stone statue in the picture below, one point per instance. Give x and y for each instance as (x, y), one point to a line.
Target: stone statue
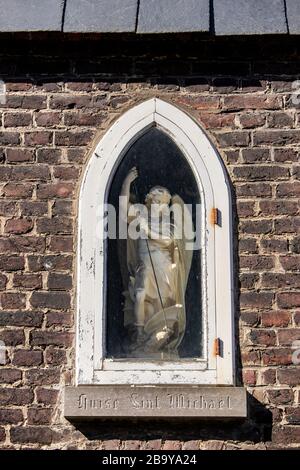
(155, 270)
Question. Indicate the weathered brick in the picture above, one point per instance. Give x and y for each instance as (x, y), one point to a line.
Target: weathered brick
(56, 225)
(238, 102)
(12, 337)
(11, 263)
(17, 191)
(275, 318)
(280, 120)
(61, 244)
(288, 299)
(16, 396)
(290, 376)
(18, 226)
(287, 336)
(59, 281)
(24, 435)
(256, 262)
(282, 396)
(249, 377)
(66, 138)
(19, 155)
(252, 120)
(248, 280)
(12, 300)
(52, 338)
(248, 245)
(21, 318)
(262, 337)
(291, 189)
(57, 300)
(260, 172)
(286, 155)
(50, 262)
(49, 155)
(13, 416)
(23, 357)
(256, 299)
(233, 139)
(292, 415)
(279, 207)
(290, 263)
(9, 138)
(47, 119)
(38, 138)
(273, 245)
(55, 357)
(33, 208)
(50, 191)
(10, 376)
(256, 155)
(28, 281)
(276, 137)
(254, 190)
(46, 396)
(256, 226)
(38, 416)
(277, 356)
(22, 244)
(58, 318)
(42, 376)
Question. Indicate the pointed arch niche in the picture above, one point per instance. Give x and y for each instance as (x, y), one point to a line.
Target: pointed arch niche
(215, 365)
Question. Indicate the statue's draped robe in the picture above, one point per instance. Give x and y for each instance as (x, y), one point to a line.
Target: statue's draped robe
(164, 279)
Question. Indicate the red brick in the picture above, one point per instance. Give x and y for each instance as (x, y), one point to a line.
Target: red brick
(22, 244)
(262, 337)
(256, 155)
(291, 189)
(21, 318)
(11, 263)
(274, 245)
(17, 191)
(292, 415)
(23, 357)
(282, 396)
(61, 244)
(238, 102)
(13, 416)
(56, 225)
(260, 172)
(55, 357)
(256, 299)
(42, 376)
(18, 226)
(249, 377)
(12, 300)
(66, 173)
(19, 155)
(33, 208)
(10, 376)
(59, 281)
(50, 262)
(39, 416)
(287, 336)
(57, 300)
(280, 280)
(36, 435)
(252, 120)
(256, 262)
(277, 356)
(59, 318)
(52, 338)
(288, 299)
(27, 281)
(46, 396)
(50, 191)
(9, 138)
(233, 139)
(67, 138)
(290, 376)
(254, 190)
(38, 138)
(290, 263)
(12, 337)
(279, 207)
(49, 155)
(253, 227)
(16, 396)
(275, 318)
(47, 119)
(3, 281)
(276, 137)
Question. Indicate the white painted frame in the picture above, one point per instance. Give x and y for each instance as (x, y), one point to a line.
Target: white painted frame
(217, 267)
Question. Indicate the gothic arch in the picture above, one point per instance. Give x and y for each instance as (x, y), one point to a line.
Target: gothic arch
(91, 365)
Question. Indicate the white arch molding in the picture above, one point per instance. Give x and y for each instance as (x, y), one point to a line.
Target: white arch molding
(91, 365)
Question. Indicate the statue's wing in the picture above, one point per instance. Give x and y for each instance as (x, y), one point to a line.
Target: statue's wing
(184, 236)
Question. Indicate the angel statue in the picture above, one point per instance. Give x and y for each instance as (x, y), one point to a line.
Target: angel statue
(155, 269)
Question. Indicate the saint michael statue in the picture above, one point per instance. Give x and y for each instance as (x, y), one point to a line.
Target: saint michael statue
(155, 270)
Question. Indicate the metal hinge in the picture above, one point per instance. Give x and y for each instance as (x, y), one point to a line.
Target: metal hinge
(215, 216)
(217, 347)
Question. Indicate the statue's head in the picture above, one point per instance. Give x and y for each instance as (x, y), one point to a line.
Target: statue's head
(158, 195)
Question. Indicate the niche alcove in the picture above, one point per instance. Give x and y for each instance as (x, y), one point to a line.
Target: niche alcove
(169, 149)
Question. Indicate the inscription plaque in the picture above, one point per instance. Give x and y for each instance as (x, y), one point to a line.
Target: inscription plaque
(155, 402)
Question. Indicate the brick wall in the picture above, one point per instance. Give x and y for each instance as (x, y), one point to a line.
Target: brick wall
(61, 95)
